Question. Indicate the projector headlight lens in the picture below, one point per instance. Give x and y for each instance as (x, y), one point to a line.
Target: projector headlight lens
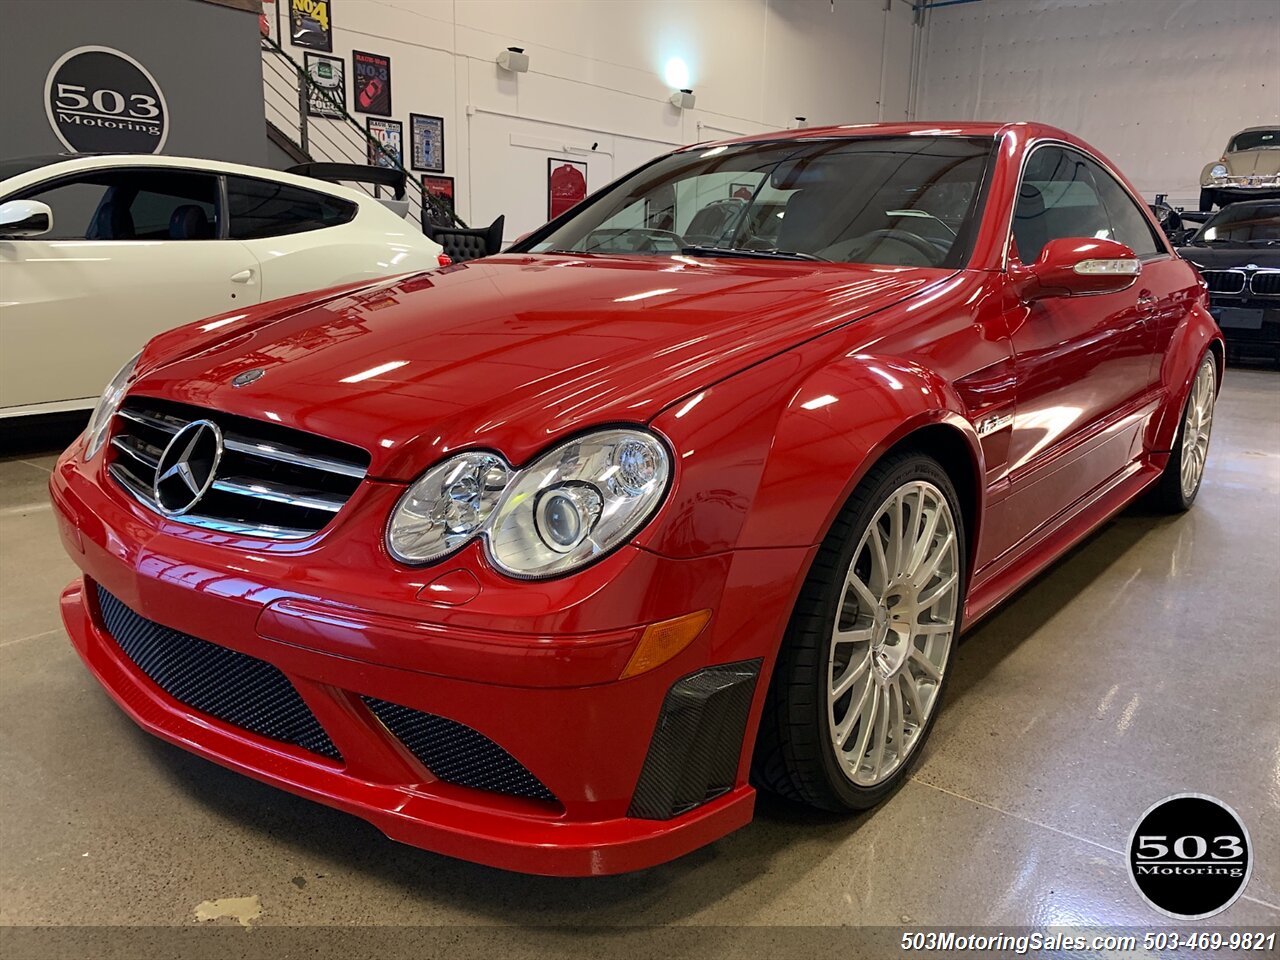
(571, 505)
(108, 404)
(578, 501)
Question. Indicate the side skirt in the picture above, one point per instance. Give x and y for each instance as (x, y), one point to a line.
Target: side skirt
(1004, 576)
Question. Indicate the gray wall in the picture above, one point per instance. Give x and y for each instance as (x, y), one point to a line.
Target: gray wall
(204, 57)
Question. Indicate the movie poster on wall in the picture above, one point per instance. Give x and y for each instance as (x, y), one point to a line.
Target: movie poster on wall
(311, 24)
(566, 185)
(371, 83)
(426, 143)
(386, 143)
(327, 93)
(440, 189)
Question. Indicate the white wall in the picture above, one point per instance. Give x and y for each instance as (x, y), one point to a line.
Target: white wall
(596, 78)
(1157, 85)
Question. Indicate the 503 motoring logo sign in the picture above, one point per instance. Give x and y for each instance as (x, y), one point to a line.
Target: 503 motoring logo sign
(101, 100)
(1190, 856)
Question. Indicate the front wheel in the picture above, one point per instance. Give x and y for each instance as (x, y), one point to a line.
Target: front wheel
(861, 669)
(1207, 199)
(1180, 482)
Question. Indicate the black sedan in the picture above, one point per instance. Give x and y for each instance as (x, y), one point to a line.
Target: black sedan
(1237, 251)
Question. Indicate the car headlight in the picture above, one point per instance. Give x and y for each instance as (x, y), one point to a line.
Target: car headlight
(108, 404)
(446, 507)
(571, 505)
(1218, 170)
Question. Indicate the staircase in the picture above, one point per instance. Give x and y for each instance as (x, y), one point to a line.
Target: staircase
(286, 88)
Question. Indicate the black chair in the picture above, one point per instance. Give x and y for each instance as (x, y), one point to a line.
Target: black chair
(112, 222)
(188, 222)
(461, 244)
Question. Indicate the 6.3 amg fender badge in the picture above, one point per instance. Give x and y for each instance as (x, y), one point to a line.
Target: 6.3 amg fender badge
(248, 377)
(989, 425)
(187, 467)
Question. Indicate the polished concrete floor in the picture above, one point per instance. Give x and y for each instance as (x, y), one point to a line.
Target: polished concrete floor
(1143, 664)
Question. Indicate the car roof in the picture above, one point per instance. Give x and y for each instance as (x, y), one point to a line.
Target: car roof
(75, 163)
(941, 128)
(1269, 126)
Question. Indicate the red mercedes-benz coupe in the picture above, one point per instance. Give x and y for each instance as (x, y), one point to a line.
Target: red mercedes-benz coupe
(549, 560)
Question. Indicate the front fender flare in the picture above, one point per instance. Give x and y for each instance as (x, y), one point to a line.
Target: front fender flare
(769, 458)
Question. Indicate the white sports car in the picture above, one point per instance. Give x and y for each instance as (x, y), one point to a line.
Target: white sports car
(100, 253)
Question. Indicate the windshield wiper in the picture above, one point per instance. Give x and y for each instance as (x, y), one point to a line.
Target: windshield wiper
(697, 251)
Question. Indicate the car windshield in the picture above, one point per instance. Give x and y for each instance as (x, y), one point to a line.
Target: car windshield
(1242, 224)
(906, 201)
(1255, 140)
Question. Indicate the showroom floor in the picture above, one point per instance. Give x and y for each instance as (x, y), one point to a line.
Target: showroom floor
(1142, 665)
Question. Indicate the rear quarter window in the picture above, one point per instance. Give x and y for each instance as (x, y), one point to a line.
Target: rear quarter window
(262, 208)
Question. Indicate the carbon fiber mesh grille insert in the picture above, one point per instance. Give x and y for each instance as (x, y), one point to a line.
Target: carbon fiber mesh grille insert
(223, 683)
(458, 754)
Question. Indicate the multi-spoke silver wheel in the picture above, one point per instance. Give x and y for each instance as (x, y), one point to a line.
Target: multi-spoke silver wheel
(893, 632)
(1196, 424)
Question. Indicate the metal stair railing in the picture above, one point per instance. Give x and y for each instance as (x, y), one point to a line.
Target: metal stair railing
(286, 91)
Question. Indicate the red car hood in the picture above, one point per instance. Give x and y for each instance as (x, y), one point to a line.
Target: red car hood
(512, 352)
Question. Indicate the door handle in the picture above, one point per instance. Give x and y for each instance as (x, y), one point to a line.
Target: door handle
(244, 276)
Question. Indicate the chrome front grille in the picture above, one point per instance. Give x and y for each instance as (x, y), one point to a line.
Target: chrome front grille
(270, 481)
(1265, 283)
(1224, 281)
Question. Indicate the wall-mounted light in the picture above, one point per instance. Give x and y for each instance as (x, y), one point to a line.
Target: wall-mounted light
(800, 123)
(676, 73)
(682, 100)
(514, 60)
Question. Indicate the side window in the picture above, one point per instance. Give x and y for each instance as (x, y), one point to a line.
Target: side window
(152, 204)
(1128, 225)
(262, 208)
(1057, 198)
(73, 204)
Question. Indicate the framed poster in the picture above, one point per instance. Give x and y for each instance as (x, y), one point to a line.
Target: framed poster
(441, 189)
(566, 185)
(328, 95)
(741, 191)
(371, 83)
(311, 24)
(426, 142)
(386, 143)
(270, 20)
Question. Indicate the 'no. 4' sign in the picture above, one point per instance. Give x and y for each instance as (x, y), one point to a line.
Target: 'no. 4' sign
(100, 100)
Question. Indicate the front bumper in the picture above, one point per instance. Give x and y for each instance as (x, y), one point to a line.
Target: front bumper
(1238, 188)
(532, 667)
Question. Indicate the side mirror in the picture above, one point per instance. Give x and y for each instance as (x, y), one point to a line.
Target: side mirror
(1077, 267)
(24, 218)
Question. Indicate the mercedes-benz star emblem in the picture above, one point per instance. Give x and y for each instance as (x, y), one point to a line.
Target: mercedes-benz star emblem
(249, 376)
(187, 467)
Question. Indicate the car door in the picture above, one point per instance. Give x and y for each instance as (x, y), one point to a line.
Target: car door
(131, 252)
(1084, 365)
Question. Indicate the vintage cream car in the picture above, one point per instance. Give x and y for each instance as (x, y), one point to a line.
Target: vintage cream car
(1249, 169)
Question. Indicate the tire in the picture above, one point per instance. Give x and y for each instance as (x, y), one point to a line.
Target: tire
(1172, 493)
(1207, 199)
(796, 754)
